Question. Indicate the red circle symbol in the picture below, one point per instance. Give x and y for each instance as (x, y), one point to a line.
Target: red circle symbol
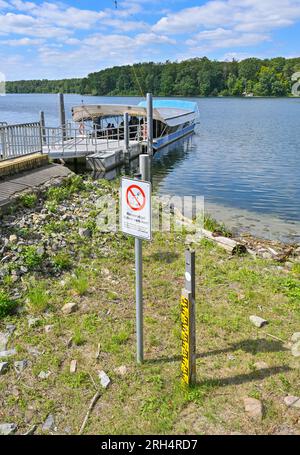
(135, 197)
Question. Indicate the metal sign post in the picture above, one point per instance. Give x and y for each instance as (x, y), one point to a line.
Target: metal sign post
(188, 322)
(136, 221)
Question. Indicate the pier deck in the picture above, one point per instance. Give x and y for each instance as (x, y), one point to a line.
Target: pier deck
(28, 181)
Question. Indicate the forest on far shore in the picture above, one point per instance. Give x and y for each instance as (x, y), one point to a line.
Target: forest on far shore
(194, 77)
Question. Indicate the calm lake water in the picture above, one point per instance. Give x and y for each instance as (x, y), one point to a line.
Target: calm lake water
(245, 157)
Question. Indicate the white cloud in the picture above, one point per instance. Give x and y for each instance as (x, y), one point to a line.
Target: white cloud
(22, 42)
(246, 16)
(219, 38)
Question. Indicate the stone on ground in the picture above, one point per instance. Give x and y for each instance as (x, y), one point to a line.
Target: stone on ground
(8, 353)
(295, 337)
(44, 374)
(253, 408)
(121, 371)
(83, 232)
(292, 402)
(296, 349)
(70, 308)
(257, 321)
(20, 366)
(260, 365)
(7, 428)
(73, 366)
(104, 379)
(3, 367)
(3, 341)
(49, 423)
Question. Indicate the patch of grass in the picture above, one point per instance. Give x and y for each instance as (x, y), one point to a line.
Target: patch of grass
(55, 227)
(71, 185)
(32, 259)
(296, 269)
(210, 224)
(7, 305)
(28, 200)
(38, 297)
(62, 261)
(75, 381)
(78, 338)
(80, 282)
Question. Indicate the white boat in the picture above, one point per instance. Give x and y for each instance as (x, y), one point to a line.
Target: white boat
(172, 119)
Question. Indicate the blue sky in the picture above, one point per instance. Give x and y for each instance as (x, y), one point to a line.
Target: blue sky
(52, 40)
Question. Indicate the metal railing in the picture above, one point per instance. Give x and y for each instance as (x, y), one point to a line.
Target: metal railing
(20, 140)
(72, 139)
(80, 140)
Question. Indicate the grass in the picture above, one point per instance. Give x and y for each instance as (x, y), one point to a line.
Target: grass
(80, 282)
(62, 261)
(38, 297)
(28, 200)
(32, 259)
(149, 398)
(7, 305)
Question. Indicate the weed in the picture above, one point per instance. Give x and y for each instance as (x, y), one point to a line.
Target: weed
(78, 337)
(32, 259)
(28, 200)
(7, 305)
(80, 282)
(62, 261)
(38, 297)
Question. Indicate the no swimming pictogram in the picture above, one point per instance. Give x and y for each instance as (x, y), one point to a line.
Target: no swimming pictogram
(136, 198)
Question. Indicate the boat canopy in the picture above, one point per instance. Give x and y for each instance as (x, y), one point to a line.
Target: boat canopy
(170, 112)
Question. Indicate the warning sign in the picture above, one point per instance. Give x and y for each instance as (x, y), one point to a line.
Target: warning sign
(136, 208)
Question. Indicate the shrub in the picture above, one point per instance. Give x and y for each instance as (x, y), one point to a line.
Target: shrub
(62, 261)
(6, 305)
(28, 200)
(32, 258)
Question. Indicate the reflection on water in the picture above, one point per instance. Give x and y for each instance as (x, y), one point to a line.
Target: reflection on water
(244, 159)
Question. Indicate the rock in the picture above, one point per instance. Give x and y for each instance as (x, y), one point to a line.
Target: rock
(44, 374)
(33, 322)
(296, 349)
(295, 337)
(20, 366)
(40, 250)
(83, 232)
(70, 308)
(257, 321)
(8, 353)
(121, 371)
(48, 328)
(292, 402)
(73, 366)
(253, 408)
(33, 351)
(104, 379)
(10, 328)
(13, 239)
(49, 423)
(260, 365)
(3, 341)
(7, 429)
(3, 367)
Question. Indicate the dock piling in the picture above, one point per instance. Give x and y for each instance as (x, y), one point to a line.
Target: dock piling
(62, 115)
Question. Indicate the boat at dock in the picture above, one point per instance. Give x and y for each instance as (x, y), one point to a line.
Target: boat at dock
(172, 120)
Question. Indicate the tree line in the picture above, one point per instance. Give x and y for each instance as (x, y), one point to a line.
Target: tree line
(194, 77)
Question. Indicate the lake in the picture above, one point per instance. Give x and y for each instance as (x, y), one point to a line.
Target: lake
(244, 157)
